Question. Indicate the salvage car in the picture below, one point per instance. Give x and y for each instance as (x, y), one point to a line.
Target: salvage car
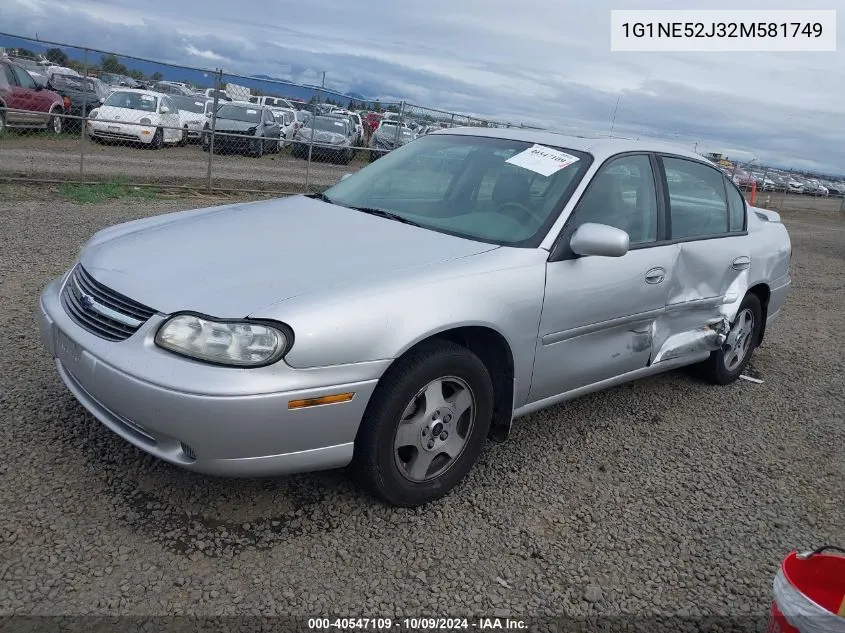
(243, 128)
(410, 312)
(27, 104)
(79, 94)
(387, 137)
(331, 140)
(191, 116)
(136, 116)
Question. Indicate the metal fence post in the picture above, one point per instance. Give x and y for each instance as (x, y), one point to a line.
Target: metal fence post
(218, 77)
(452, 122)
(83, 124)
(401, 116)
(313, 121)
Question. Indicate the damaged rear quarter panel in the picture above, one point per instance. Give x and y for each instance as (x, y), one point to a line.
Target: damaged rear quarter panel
(709, 281)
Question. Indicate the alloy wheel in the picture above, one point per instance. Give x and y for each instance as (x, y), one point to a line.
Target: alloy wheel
(434, 429)
(738, 343)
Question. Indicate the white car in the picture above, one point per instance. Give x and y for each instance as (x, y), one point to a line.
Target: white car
(793, 186)
(272, 102)
(191, 116)
(138, 116)
(287, 120)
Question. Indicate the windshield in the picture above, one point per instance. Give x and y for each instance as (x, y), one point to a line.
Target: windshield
(132, 101)
(465, 186)
(189, 104)
(328, 124)
(239, 113)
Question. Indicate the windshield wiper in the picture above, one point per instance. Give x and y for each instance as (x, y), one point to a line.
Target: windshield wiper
(320, 196)
(381, 213)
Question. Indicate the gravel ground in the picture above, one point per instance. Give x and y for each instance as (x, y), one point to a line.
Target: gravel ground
(663, 496)
(40, 156)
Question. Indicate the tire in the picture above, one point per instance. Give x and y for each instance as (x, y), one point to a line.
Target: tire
(2, 123)
(259, 152)
(184, 140)
(399, 410)
(158, 139)
(722, 368)
(54, 123)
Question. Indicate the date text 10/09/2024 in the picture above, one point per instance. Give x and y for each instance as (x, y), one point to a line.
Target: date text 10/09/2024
(723, 29)
(417, 624)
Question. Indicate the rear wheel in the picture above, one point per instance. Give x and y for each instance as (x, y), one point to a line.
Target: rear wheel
(425, 424)
(727, 363)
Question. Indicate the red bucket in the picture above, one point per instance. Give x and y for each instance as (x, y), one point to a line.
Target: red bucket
(809, 593)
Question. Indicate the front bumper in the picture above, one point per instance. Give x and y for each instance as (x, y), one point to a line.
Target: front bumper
(135, 133)
(213, 420)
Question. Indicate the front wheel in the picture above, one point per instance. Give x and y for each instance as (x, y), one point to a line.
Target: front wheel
(727, 363)
(55, 123)
(425, 424)
(158, 139)
(184, 140)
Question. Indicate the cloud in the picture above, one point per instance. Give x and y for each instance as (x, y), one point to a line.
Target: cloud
(540, 62)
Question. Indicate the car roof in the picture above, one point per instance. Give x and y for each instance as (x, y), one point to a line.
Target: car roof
(142, 91)
(600, 148)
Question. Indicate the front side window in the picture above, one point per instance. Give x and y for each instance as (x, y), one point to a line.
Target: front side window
(697, 203)
(465, 186)
(622, 194)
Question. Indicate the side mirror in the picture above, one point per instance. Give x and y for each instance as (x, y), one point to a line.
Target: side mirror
(599, 240)
(208, 114)
(38, 87)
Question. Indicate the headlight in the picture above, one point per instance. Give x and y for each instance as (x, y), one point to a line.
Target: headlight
(93, 114)
(145, 121)
(236, 343)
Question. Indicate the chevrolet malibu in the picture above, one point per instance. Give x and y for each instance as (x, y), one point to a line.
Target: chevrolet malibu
(407, 314)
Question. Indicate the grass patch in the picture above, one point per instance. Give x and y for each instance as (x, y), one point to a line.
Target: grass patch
(91, 194)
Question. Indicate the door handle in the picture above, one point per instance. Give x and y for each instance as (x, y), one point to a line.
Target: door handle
(741, 263)
(655, 276)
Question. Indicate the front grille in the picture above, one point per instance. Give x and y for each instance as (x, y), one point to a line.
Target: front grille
(101, 310)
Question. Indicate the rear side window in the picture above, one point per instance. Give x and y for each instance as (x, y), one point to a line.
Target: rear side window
(736, 206)
(25, 80)
(697, 201)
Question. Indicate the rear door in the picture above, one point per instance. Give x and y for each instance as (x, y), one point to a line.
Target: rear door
(17, 99)
(707, 222)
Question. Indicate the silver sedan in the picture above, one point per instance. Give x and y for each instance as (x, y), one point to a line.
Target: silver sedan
(398, 320)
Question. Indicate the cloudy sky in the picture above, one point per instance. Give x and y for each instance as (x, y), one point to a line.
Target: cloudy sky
(545, 62)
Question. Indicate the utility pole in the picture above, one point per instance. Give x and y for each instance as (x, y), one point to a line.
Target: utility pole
(613, 122)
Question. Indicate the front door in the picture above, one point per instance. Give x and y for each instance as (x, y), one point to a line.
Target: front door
(600, 313)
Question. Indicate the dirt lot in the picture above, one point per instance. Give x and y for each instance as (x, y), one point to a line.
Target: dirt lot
(663, 496)
(36, 155)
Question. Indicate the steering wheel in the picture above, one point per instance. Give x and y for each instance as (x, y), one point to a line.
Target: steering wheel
(524, 209)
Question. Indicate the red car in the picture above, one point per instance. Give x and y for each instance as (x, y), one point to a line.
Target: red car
(373, 119)
(24, 103)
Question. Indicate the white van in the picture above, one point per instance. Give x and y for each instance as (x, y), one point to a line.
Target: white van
(272, 102)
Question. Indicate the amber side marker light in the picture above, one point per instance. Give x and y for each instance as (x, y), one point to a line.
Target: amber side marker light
(314, 402)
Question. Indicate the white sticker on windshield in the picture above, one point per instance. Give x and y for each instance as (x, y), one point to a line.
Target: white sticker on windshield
(252, 111)
(542, 160)
(147, 98)
(338, 124)
(198, 103)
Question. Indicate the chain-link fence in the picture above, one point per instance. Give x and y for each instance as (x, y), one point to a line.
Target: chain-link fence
(71, 113)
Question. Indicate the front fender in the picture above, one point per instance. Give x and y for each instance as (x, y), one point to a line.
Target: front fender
(501, 289)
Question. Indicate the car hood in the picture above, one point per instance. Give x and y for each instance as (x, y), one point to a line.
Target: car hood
(234, 126)
(124, 115)
(230, 261)
(323, 137)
